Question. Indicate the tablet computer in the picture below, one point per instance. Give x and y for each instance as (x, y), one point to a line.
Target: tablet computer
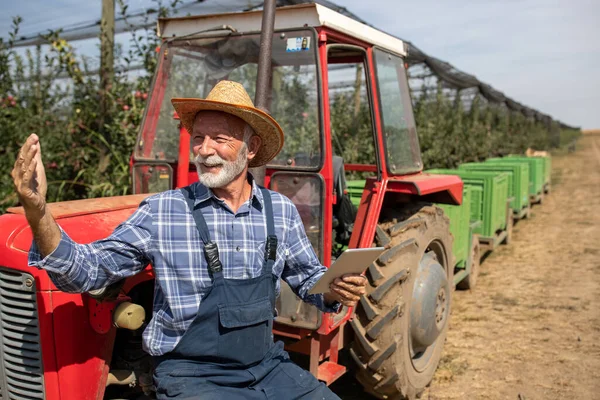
(352, 261)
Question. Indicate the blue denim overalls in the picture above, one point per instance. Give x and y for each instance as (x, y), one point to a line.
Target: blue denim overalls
(228, 351)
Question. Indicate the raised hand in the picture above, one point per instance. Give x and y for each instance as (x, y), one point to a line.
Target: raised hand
(29, 177)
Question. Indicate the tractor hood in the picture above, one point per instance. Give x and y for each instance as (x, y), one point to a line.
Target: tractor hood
(84, 220)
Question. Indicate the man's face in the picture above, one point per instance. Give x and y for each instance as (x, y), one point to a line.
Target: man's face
(217, 142)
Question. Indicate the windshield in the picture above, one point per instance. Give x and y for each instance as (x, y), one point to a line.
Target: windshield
(192, 67)
(403, 154)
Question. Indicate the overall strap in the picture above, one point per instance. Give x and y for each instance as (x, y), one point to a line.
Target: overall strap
(271, 244)
(211, 250)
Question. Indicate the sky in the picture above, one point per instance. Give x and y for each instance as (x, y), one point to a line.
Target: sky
(542, 53)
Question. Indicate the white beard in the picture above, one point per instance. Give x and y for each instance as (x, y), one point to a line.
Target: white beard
(228, 172)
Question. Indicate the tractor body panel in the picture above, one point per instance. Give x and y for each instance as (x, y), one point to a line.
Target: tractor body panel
(68, 335)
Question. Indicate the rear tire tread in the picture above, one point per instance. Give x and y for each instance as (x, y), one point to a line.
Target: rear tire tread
(392, 254)
(382, 289)
(378, 347)
(403, 226)
(376, 326)
(361, 335)
(381, 356)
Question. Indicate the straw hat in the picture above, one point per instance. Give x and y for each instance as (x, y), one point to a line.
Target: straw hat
(232, 98)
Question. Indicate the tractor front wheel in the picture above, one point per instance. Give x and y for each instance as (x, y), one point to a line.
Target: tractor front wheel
(400, 325)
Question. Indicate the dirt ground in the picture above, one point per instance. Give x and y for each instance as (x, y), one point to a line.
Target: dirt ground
(531, 328)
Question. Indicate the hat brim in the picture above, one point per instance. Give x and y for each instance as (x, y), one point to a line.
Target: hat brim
(263, 124)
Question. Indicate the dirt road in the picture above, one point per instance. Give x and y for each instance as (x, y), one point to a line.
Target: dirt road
(531, 328)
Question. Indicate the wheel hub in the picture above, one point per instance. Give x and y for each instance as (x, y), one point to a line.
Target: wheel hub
(430, 303)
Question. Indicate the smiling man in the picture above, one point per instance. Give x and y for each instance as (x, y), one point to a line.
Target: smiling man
(218, 248)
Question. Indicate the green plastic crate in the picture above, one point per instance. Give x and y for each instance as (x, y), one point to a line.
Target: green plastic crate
(547, 165)
(536, 170)
(548, 169)
(492, 202)
(459, 227)
(355, 190)
(518, 180)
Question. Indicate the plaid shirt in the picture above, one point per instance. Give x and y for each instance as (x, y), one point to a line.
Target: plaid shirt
(162, 232)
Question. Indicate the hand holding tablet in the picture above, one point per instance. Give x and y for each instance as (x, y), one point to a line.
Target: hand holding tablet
(352, 261)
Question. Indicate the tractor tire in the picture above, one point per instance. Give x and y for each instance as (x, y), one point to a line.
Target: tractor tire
(470, 281)
(400, 325)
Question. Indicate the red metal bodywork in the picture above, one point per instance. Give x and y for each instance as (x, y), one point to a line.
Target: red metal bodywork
(76, 357)
(76, 343)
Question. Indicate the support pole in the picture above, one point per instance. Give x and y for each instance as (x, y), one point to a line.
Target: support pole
(107, 44)
(263, 80)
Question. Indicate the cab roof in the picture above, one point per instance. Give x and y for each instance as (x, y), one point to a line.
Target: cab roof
(298, 16)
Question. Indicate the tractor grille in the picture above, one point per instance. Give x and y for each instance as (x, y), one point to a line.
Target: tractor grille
(21, 374)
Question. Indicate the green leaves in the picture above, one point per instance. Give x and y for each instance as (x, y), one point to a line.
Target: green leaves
(48, 91)
(450, 135)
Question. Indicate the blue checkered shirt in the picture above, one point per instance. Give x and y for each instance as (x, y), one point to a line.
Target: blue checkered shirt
(162, 232)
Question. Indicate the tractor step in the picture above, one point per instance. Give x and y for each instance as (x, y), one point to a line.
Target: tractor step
(329, 372)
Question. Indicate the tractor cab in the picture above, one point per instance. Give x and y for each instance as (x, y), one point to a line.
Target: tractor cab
(339, 90)
(329, 74)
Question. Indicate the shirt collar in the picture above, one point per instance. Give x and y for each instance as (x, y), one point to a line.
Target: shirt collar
(203, 193)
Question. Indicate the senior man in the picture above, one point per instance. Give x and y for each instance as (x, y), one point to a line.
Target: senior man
(218, 248)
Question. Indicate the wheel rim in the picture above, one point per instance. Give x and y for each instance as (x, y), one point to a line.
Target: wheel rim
(430, 306)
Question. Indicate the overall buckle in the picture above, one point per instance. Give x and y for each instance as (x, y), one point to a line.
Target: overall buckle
(211, 252)
(271, 248)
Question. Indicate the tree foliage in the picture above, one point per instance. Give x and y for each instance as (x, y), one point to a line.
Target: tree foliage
(450, 135)
(52, 92)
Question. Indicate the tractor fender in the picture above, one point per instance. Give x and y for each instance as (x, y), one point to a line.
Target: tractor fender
(420, 187)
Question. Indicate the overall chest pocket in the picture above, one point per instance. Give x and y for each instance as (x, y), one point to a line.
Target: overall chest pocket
(245, 331)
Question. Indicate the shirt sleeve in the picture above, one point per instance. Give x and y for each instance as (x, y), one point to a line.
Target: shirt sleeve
(77, 268)
(302, 267)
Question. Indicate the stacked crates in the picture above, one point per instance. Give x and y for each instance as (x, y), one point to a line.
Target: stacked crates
(547, 167)
(536, 172)
(518, 182)
(488, 202)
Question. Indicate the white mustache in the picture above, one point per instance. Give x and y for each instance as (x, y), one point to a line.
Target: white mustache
(211, 161)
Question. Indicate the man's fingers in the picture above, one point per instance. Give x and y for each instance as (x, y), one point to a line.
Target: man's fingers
(350, 287)
(346, 295)
(26, 165)
(30, 141)
(354, 279)
(29, 155)
(26, 178)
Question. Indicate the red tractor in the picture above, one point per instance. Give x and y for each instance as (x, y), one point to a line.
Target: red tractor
(339, 90)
